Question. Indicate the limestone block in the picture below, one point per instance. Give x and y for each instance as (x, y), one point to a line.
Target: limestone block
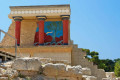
(74, 71)
(117, 78)
(28, 72)
(54, 69)
(85, 77)
(50, 78)
(66, 78)
(33, 64)
(110, 75)
(45, 60)
(106, 79)
(86, 71)
(62, 70)
(11, 73)
(4, 78)
(42, 77)
(91, 78)
(2, 71)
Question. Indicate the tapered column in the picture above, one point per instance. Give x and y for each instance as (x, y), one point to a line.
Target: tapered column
(17, 28)
(41, 20)
(65, 20)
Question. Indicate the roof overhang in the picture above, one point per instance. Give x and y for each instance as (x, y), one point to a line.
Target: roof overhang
(30, 12)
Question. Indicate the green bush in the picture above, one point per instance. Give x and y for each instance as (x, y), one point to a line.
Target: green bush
(117, 68)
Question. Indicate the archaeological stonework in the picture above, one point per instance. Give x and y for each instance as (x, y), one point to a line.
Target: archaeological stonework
(44, 47)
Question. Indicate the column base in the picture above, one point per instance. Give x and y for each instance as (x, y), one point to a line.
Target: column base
(41, 44)
(65, 43)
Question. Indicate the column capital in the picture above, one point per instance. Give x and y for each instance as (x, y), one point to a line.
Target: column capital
(41, 17)
(65, 17)
(18, 18)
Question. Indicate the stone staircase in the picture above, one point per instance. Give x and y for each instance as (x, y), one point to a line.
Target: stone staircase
(79, 59)
(5, 56)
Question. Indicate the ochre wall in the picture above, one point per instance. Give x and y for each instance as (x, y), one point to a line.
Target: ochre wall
(8, 41)
(56, 53)
(28, 29)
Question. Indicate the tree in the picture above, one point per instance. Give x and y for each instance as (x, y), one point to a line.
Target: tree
(109, 65)
(117, 68)
(55, 26)
(94, 57)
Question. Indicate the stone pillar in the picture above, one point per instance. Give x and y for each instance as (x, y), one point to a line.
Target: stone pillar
(41, 20)
(17, 28)
(65, 20)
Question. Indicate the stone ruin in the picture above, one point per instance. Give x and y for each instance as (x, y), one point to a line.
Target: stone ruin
(44, 48)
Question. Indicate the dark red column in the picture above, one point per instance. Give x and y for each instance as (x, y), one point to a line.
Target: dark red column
(65, 20)
(17, 28)
(41, 20)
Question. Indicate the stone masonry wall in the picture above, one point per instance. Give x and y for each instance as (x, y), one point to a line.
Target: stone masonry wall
(78, 59)
(8, 41)
(28, 29)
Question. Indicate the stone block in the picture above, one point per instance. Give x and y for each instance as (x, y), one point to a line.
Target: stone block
(85, 77)
(32, 64)
(106, 79)
(86, 71)
(75, 71)
(4, 78)
(54, 69)
(28, 72)
(66, 78)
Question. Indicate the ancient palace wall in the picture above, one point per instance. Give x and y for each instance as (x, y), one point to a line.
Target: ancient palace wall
(27, 34)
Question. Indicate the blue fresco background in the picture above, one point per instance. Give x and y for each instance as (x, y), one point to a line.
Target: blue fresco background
(58, 32)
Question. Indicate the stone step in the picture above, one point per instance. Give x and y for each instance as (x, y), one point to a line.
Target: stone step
(86, 71)
(75, 46)
(4, 78)
(85, 77)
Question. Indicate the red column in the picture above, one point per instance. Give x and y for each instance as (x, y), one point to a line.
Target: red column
(65, 30)
(17, 31)
(41, 20)
(18, 20)
(41, 32)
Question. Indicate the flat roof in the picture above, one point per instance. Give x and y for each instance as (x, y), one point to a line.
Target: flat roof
(63, 5)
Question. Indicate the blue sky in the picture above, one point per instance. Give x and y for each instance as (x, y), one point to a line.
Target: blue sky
(95, 24)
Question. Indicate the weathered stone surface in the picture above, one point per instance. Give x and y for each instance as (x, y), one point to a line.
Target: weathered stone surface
(62, 70)
(45, 60)
(74, 71)
(42, 77)
(54, 69)
(8, 73)
(66, 78)
(4, 78)
(107, 79)
(85, 77)
(91, 78)
(117, 78)
(28, 73)
(18, 78)
(86, 71)
(11, 73)
(2, 71)
(27, 64)
(110, 75)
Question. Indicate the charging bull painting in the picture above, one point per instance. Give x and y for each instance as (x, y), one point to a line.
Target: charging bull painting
(53, 33)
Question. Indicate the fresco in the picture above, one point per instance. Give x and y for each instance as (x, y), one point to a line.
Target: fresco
(53, 31)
